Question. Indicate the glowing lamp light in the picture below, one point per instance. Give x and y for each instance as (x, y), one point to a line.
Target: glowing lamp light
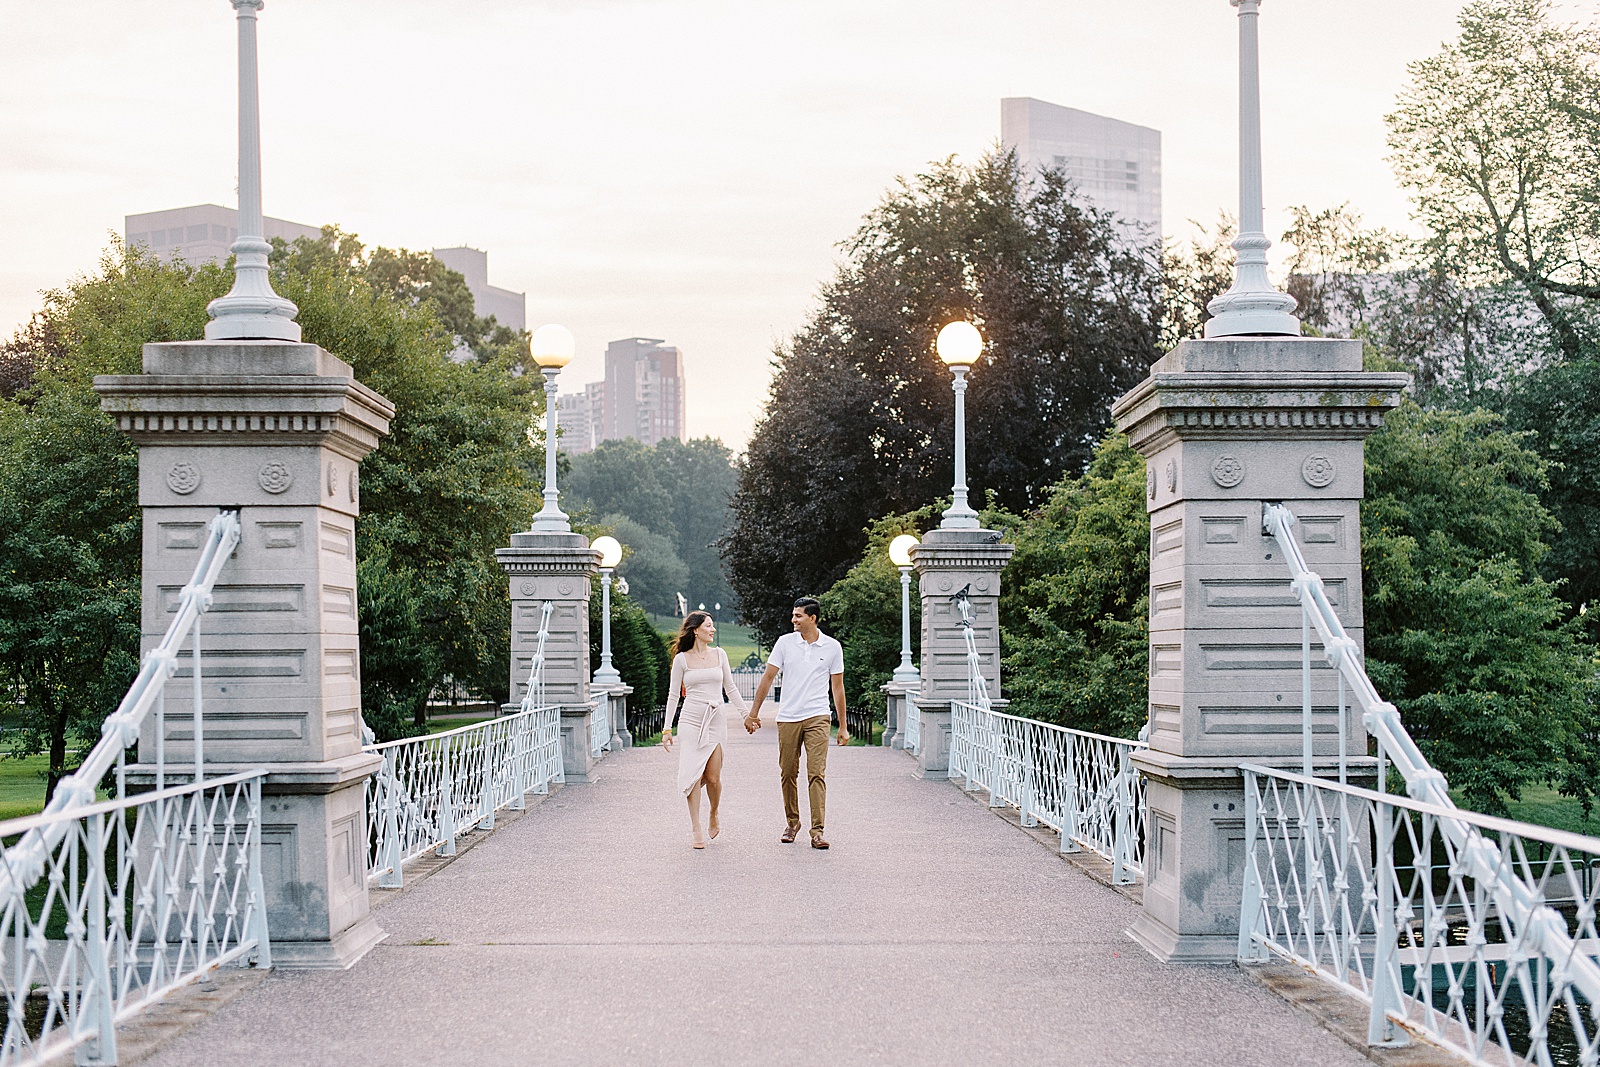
(610, 550)
(900, 549)
(552, 346)
(960, 344)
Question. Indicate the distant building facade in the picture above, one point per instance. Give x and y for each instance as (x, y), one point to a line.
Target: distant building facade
(508, 308)
(201, 234)
(1115, 164)
(580, 417)
(642, 397)
(644, 391)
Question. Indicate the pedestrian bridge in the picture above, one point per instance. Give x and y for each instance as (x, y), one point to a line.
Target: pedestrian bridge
(587, 931)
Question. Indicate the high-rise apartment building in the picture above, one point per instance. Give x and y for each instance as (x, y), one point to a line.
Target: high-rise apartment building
(201, 234)
(508, 308)
(643, 391)
(1115, 164)
(580, 417)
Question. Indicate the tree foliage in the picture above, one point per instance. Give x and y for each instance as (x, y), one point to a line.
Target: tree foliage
(1462, 634)
(1498, 139)
(654, 572)
(638, 651)
(1074, 613)
(859, 421)
(677, 491)
(862, 609)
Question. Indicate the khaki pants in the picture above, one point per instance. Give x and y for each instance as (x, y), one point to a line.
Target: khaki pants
(812, 735)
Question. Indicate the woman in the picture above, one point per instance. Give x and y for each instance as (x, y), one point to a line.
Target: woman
(700, 675)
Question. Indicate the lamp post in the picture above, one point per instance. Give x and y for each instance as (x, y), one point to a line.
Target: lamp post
(250, 311)
(610, 555)
(552, 348)
(959, 346)
(1251, 305)
(900, 556)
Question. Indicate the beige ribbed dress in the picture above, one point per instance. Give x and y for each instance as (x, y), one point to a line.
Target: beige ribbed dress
(705, 723)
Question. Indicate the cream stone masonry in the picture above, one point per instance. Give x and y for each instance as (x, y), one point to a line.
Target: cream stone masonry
(276, 429)
(1226, 425)
(946, 563)
(561, 568)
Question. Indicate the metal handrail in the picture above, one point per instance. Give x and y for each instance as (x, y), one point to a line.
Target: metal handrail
(1542, 928)
(121, 728)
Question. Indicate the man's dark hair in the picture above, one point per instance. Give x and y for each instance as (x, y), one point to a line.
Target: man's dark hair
(810, 605)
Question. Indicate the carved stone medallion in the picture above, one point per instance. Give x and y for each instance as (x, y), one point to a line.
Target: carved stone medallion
(1172, 475)
(183, 478)
(566, 587)
(1227, 471)
(333, 478)
(352, 486)
(275, 477)
(529, 587)
(1318, 470)
(1150, 482)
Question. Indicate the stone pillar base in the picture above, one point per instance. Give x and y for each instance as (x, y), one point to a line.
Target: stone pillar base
(1194, 852)
(617, 694)
(577, 720)
(933, 751)
(894, 716)
(313, 857)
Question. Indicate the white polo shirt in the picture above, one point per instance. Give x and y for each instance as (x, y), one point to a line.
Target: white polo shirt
(807, 670)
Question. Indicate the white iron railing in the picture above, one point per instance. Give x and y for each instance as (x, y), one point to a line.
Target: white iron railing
(1079, 784)
(745, 680)
(433, 788)
(1304, 842)
(107, 906)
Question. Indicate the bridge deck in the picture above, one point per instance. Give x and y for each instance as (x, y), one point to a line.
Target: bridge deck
(589, 932)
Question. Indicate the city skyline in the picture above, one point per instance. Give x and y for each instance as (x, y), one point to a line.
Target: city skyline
(723, 235)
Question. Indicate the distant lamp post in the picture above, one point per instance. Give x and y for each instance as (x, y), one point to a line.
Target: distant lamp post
(900, 555)
(1251, 305)
(959, 346)
(610, 550)
(552, 348)
(250, 311)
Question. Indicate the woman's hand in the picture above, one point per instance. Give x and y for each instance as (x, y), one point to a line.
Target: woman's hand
(666, 738)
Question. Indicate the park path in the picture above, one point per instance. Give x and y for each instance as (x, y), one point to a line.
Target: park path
(588, 932)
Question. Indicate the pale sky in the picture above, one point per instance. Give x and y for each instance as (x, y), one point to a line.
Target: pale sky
(681, 169)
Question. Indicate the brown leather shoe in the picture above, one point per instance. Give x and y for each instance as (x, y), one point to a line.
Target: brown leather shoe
(817, 840)
(789, 834)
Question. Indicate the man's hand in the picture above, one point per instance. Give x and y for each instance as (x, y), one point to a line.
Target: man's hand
(752, 723)
(844, 732)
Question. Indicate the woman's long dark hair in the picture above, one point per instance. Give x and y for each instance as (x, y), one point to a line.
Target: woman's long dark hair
(691, 622)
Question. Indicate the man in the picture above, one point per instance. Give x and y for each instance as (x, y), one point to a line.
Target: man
(812, 663)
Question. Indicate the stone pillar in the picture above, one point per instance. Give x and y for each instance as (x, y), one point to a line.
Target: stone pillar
(1225, 425)
(276, 429)
(558, 567)
(618, 694)
(894, 712)
(947, 562)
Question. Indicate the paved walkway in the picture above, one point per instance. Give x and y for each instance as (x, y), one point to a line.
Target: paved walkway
(588, 932)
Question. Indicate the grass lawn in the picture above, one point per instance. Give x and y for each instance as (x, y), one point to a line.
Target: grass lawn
(1543, 806)
(22, 786)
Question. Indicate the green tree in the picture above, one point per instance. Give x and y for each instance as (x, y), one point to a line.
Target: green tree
(1074, 608)
(678, 490)
(1497, 137)
(69, 516)
(859, 420)
(1462, 634)
(638, 651)
(655, 573)
(862, 610)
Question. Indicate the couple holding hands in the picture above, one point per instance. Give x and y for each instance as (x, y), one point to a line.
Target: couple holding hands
(812, 663)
